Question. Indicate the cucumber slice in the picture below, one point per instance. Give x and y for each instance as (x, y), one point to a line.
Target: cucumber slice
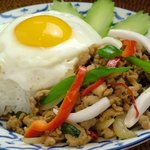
(138, 22)
(66, 7)
(100, 16)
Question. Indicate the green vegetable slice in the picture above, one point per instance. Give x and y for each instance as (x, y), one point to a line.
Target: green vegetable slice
(66, 7)
(145, 65)
(109, 52)
(18, 114)
(100, 16)
(58, 92)
(61, 89)
(138, 22)
(67, 128)
(100, 72)
(121, 130)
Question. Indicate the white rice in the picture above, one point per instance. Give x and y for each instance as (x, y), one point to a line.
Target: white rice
(13, 97)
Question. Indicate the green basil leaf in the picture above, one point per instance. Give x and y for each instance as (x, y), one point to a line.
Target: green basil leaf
(109, 52)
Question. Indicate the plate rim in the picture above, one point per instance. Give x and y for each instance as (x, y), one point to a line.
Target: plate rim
(129, 145)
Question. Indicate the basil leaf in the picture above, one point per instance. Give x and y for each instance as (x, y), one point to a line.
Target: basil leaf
(70, 129)
(109, 52)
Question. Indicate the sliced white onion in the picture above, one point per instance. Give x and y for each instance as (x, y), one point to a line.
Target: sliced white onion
(34, 140)
(89, 112)
(118, 33)
(111, 41)
(143, 103)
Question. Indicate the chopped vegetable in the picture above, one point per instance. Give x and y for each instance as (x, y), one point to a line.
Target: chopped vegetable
(35, 140)
(39, 126)
(66, 7)
(18, 114)
(58, 92)
(138, 22)
(67, 128)
(132, 95)
(121, 130)
(144, 64)
(92, 86)
(100, 72)
(88, 112)
(105, 124)
(100, 16)
(109, 52)
(130, 47)
(143, 103)
(93, 135)
(61, 89)
(113, 62)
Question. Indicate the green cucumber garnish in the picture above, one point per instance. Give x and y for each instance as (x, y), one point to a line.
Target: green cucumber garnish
(138, 22)
(66, 7)
(100, 16)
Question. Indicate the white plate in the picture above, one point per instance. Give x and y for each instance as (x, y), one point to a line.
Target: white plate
(13, 141)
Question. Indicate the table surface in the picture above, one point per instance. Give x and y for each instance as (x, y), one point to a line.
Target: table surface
(134, 5)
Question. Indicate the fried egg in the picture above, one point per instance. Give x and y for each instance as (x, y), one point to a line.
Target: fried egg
(37, 50)
(34, 45)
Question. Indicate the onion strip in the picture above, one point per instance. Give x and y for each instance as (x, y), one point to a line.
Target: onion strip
(121, 130)
(111, 41)
(130, 35)
(143, 103)
(89, 112)
(34, 140)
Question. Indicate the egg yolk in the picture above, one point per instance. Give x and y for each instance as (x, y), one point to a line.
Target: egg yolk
(43, 31)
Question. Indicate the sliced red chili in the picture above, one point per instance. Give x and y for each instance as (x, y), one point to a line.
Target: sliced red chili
(94, 135)
(130, 47)
(131, 93)
(92, 86)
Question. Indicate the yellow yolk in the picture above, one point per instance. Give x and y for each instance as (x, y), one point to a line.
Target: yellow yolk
(43, 31)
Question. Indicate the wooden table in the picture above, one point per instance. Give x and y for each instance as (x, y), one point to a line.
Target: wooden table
(134, 5)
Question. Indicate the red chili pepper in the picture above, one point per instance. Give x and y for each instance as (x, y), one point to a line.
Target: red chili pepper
(93, 135)
(92, 86)
(130, 47)
(131, 93)
(39, 126)
(113, 62)
(110, 63)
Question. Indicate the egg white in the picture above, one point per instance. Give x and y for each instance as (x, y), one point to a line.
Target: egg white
(35, 68)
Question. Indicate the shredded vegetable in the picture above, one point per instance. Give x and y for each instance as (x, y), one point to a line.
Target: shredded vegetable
(67, 128)
(144, 64)
(113, 62)
(131, 93)
(89, 112)
(92, 86)
(109, 52)
(130, 47)
(121, 130)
